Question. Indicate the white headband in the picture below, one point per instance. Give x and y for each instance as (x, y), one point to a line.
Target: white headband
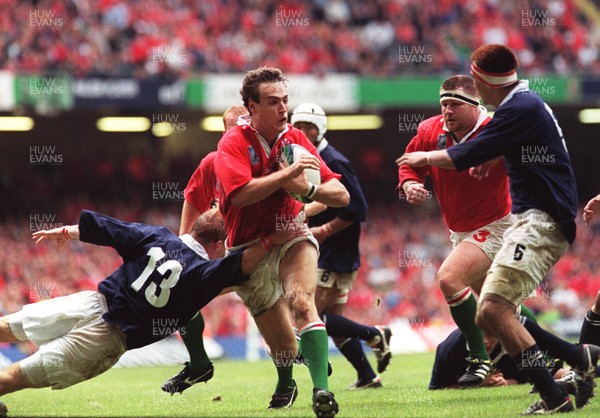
(494, 80)
(459, 95)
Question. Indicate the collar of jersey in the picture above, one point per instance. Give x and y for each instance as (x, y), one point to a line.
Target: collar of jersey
(194, 245)
(322, 145)
(263, 142)
(482, 117)
(522, 85)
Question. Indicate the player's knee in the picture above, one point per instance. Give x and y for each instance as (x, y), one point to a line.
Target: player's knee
(301, 304)
(448, 283)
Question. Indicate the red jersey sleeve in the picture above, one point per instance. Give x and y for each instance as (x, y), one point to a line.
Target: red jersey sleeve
(201, 190)
(232, 165)
(420, 142)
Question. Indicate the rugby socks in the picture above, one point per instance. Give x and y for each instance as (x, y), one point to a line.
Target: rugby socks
(284, 376)
(340, 326)
(463, 307)
(556, 347)
(590, 329)
(531, 361)
(352, 349)
(192, 338)
(526, 312)
(314, 341)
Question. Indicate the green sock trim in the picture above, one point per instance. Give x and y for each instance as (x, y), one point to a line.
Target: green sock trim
(315, 349)
(464, 316)
(526, 312)
(191, 335)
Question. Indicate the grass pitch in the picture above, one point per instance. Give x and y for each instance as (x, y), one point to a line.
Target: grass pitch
(242, 389)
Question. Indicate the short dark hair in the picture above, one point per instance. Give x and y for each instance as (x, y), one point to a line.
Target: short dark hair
(209, 227)
(255, 78)
(495, 58)
(460, 82)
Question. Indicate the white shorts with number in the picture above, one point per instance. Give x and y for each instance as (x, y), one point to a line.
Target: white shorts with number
(488, 238)
(343, 282)
(531, 247)
(264, 287)
(75, 343)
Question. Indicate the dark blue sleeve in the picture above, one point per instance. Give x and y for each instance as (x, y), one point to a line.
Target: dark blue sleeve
(449, 363)
(510, 128)
(356, 211)
(225, 271)
(99, 229)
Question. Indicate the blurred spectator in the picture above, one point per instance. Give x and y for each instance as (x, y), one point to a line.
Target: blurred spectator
(178, 38)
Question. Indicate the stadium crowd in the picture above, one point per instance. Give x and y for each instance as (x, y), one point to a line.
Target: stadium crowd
(182, 38)
(402, 248)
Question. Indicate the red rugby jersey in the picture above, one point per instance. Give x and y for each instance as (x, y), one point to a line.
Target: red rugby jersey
(466, 203)
(241, 157)
(202, 188)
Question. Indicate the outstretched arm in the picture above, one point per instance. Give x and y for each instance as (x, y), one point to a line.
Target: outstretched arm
(591, 209)
(438, 158)
(253, 255)
(61, 234)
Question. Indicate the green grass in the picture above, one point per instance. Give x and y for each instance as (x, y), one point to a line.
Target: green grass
(242, 389)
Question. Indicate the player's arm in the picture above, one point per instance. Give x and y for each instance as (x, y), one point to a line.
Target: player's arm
(253, 255)
(322, 232)
(259, 188)
(60, 234)
(411, 180)
(591, 209)
(314, 208)
(438, 158)
(331, 193)
(188, 215)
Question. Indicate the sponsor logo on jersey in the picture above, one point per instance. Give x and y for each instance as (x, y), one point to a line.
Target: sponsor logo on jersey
(253, 155)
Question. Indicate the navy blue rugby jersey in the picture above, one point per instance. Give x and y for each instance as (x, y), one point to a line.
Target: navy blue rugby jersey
(450, 362)
(163, 281)
(339, 252)
(525, 131)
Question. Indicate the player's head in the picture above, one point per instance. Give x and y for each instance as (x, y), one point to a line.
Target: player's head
(231, 115)
(460, 104)
(494, 68)
(265, 96)
(490, 342)
(209, 230)
(311, 119)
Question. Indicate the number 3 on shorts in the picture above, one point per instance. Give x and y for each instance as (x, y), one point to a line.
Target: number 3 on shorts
(481, 235)
(519, 252)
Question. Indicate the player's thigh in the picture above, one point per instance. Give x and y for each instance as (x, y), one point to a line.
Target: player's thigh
(276, 328)
(325, 298)
(332, 290)
(466, 264)
(298, 269)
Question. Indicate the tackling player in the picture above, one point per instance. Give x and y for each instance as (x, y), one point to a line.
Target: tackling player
(200, 195)
(544, 194)
(163, 279)
(255, 202)
(338, 232)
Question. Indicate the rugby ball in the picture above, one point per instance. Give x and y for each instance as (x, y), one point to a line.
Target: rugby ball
(289, 154)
